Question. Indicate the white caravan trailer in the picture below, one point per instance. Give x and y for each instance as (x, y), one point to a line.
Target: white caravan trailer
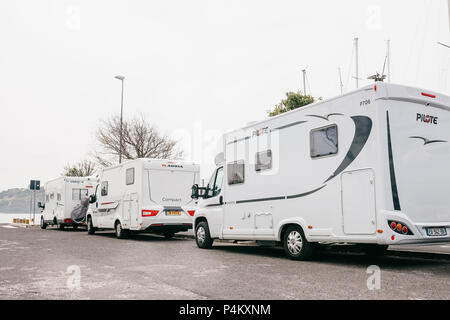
(370, 167)
(62, 196)
(146, 195)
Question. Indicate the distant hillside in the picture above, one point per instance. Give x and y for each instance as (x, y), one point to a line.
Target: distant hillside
(18, 200)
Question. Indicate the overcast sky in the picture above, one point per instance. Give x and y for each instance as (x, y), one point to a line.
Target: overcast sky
(195, 68)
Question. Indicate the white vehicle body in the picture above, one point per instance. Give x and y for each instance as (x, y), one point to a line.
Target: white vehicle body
(62, 195)
(391, 165)
(145, 195)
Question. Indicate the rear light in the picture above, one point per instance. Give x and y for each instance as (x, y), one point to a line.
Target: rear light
(149, 213)
(375, 87)
(399, 228)
(67, 220)
(191, 212)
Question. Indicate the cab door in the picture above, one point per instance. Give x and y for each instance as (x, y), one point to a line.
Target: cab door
(214, 202)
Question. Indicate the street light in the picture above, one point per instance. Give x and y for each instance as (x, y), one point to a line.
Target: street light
(121, 78)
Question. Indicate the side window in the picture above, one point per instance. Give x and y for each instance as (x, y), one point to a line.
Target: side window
(263, 160)
(236, 172)
(129, 176)
(324, 141)
(52, 196)
(104, 191)
(58, 197)
(83, 193)
(218, 183)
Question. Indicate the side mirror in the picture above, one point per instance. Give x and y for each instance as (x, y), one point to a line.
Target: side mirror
(194, 194)
(92, 198)
(40, 205)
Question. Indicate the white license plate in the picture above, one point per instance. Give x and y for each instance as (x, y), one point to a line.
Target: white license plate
(173, 213)
(436, 232)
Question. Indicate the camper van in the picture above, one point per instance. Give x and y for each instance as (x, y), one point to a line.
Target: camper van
(146, 195)
(63, 196)
(369, 167)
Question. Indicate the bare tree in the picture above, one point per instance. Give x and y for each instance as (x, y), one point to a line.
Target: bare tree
(81, 169)
(139, 140)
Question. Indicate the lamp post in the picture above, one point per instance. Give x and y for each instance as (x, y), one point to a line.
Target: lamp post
(121, 78)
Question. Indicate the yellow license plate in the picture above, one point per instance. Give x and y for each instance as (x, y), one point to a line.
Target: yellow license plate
(173, 213)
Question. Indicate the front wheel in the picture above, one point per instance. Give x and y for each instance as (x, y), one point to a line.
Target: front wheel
(90, 226)
(43, 224)
(120, 233)
(295, 244)
(202, 236)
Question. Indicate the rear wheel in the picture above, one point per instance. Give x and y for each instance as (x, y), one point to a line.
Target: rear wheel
(202, 236)
(90, 226)
(61, 226)
(295, 244)
(75, 227)
(120, 233)
(43, 224)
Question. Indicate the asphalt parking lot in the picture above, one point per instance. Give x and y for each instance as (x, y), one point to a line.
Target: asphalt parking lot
(54, 264)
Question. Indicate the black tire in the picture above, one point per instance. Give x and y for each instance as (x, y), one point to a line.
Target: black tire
(169, 234)
(61, 226)
(90, 226)
(75, 227)
(375, 250)
(120, 233)
(202, 236)
(43, 224)
(295, 244)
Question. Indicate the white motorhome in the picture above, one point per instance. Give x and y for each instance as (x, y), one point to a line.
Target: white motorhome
(62, 196)
(146, 195)
(369, 167)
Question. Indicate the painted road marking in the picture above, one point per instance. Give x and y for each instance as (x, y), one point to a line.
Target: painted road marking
(9, 227)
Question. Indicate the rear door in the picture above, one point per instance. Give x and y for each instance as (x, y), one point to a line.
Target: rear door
(358, 202)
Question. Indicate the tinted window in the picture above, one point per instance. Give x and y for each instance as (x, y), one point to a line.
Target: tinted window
(236, 172)
(129, 179)
(78, 194)
(263, 160)
(104, 191)
(324, 141)
(218, 183)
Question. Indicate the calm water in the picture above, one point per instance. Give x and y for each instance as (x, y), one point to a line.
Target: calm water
(8, 217)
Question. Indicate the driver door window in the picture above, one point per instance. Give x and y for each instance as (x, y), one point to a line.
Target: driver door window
(218, 183)
(215, 183)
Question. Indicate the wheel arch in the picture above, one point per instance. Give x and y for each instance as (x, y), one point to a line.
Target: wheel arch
(284, 225)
